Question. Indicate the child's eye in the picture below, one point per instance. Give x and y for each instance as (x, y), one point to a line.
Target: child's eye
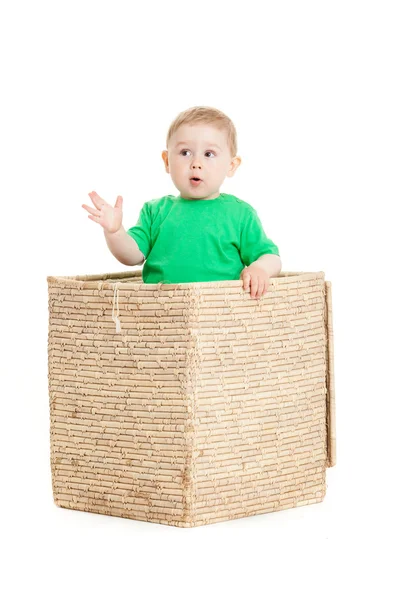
(208, 152)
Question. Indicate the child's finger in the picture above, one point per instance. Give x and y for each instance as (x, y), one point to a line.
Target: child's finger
(246, 281)
(260, 288)
(263, 289)
(254, 286)
(90, 209)
(97, 201)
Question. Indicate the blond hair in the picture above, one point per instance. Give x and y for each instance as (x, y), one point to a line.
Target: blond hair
(206, 115)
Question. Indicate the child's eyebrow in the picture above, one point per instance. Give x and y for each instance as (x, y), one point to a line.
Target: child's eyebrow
(188, 143)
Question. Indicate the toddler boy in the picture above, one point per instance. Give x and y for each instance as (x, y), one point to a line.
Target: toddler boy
(202, 234)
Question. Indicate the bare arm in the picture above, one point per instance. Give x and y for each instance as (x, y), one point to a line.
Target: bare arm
(120, 243)
(124, 247)
(271, 263)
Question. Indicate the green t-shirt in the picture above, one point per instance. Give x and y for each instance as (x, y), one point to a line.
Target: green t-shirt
(186, 240)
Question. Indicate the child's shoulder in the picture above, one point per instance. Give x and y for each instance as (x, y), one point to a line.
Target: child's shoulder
(154, 205)
(247, 207)
(159, 200)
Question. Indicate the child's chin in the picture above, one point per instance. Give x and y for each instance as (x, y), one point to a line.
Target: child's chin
(193, 193)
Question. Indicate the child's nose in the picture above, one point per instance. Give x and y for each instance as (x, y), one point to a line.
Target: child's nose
(196, 162)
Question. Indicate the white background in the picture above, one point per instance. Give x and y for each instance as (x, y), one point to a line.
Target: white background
(88, 92)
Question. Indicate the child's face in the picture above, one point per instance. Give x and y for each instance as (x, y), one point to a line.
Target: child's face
(199, 151)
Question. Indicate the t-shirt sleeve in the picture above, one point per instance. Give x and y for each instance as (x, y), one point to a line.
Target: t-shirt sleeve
(141, 232)
(253, 239)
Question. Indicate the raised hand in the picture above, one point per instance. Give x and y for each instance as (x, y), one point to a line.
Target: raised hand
(109, 217)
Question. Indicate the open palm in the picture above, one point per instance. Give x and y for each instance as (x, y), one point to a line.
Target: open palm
(109, 217)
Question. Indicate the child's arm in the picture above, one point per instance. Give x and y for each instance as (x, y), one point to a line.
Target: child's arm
(254, 242)
(124, 247)
(271, 263)
(258, 274)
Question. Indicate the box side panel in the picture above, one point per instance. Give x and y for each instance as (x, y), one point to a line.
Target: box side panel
(260, 401)
(120, 420)
(330, 380)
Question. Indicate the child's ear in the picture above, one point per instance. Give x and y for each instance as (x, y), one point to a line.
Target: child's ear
(234, 165)
(164, 155)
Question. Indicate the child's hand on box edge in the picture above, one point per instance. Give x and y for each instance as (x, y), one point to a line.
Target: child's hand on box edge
(257, 278)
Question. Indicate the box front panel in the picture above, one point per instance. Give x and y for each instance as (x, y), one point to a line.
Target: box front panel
(118, 404)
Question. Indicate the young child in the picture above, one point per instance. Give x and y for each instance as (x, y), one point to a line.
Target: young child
(202, 234)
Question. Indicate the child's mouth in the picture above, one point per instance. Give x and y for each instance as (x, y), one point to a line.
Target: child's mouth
(195, 181)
